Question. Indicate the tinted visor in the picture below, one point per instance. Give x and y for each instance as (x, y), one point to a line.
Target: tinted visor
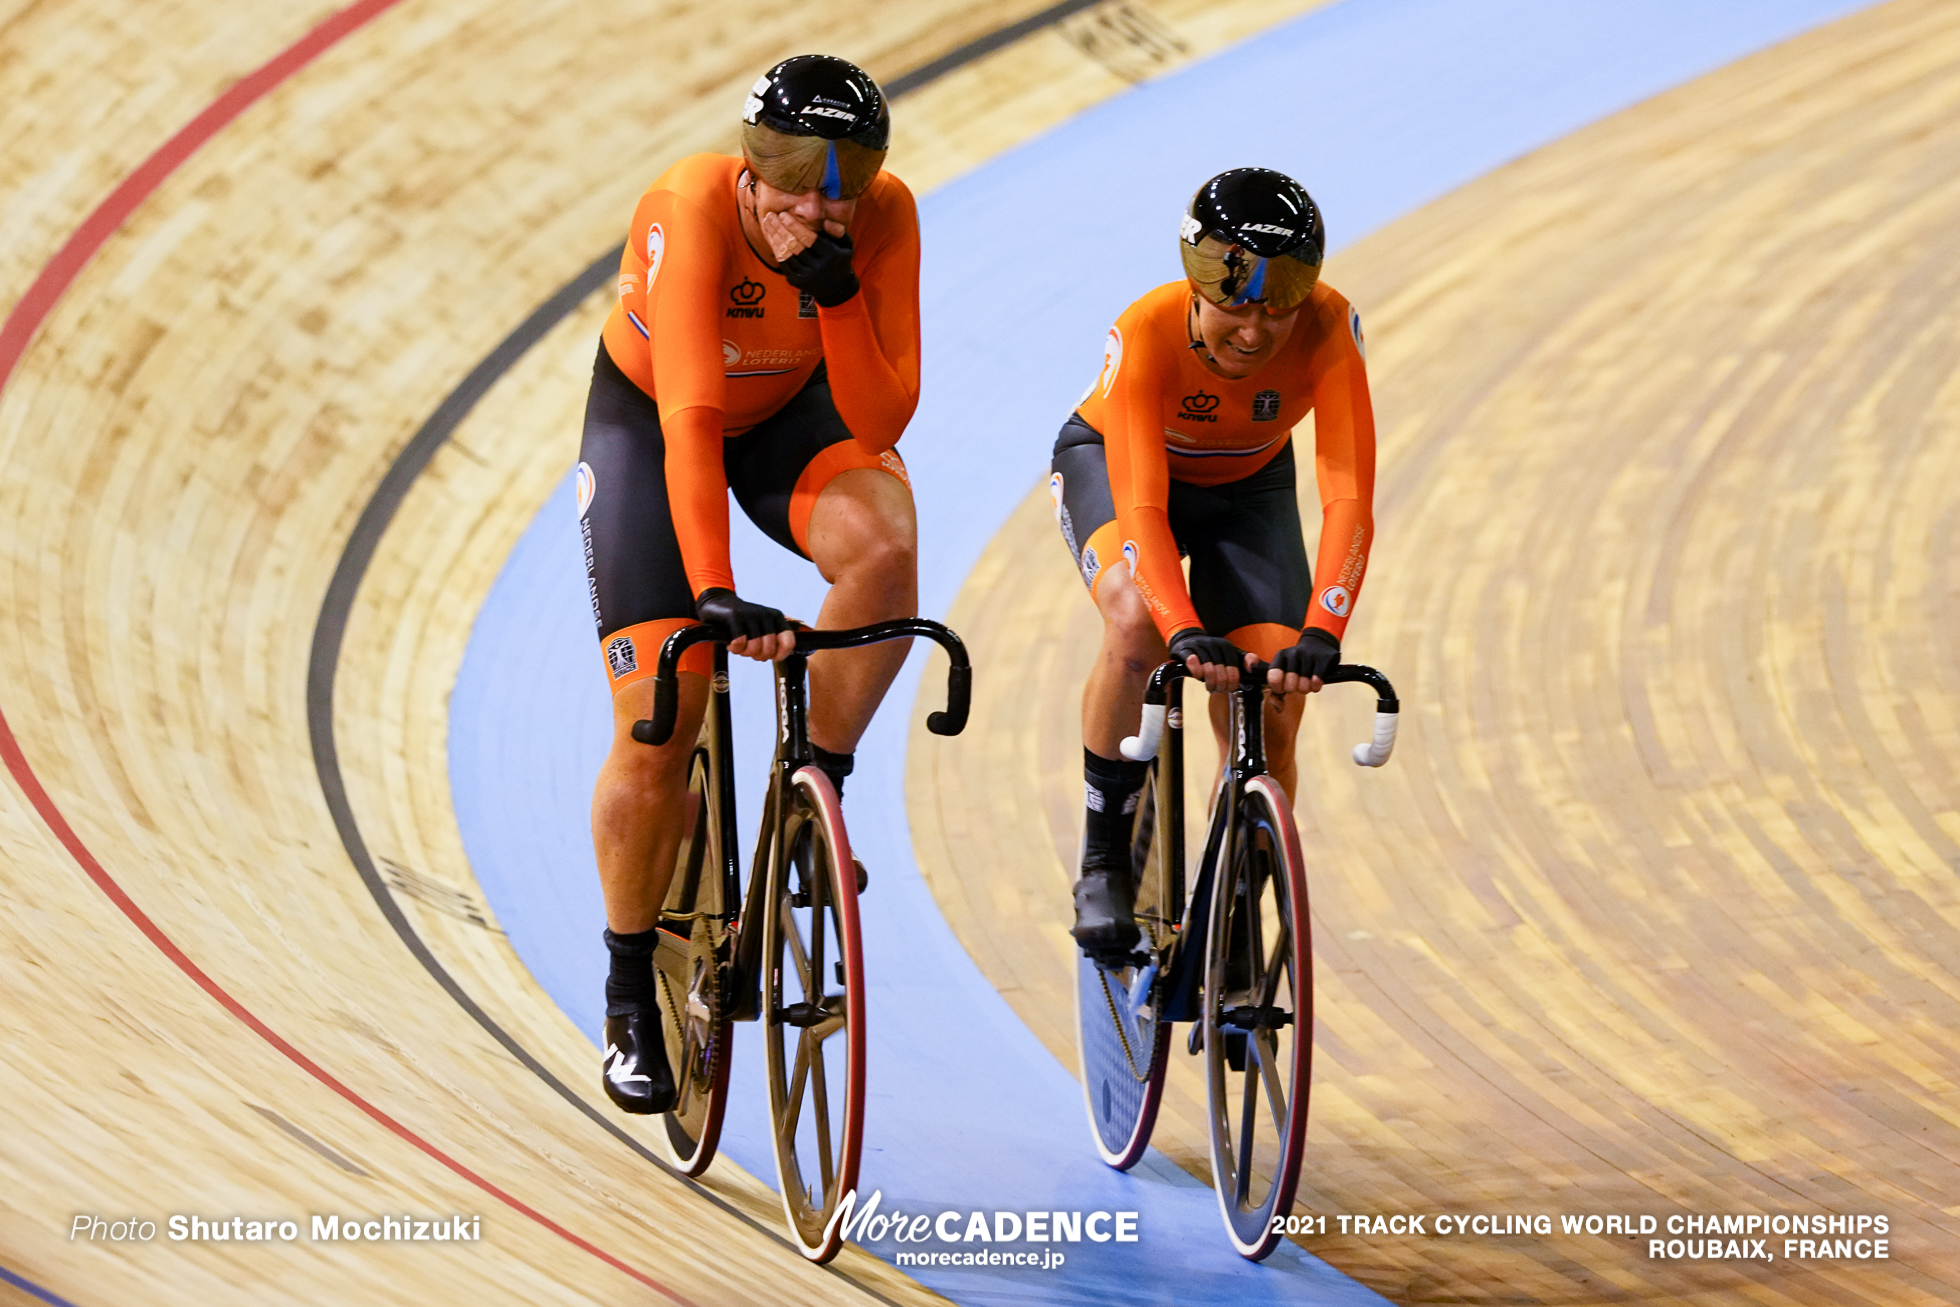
(1233, 275)
(841, 170)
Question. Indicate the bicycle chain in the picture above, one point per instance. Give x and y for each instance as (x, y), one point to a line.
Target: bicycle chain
(1116, 1019)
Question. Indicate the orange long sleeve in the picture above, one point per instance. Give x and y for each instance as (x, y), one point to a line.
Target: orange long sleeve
(1140, 479)
(1344, 468)
(871, 341)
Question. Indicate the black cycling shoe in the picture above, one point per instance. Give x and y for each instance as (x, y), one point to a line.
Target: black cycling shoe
(1105, 915)
(637, 1077)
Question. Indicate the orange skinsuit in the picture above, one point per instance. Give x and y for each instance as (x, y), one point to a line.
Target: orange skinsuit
(721, 341)
(1165, 416)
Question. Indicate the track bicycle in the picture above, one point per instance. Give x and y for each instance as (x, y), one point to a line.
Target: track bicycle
(787, 950)
(1235, 957)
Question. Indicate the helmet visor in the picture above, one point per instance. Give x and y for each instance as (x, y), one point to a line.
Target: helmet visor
(800, 164)
(1233, 275)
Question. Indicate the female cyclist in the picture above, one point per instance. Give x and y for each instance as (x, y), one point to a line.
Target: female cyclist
(1183, 448)
(765, 341)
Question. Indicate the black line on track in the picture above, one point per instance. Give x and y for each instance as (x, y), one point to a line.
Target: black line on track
(980, 47)
(329, 633)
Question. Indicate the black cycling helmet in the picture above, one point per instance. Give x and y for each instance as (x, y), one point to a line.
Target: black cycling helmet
(1253, 236)
(816, 122)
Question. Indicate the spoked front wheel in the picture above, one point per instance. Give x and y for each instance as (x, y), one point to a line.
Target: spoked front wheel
(687, 969)
(814, 1014)
(1258, 1018)
(1124, 1041)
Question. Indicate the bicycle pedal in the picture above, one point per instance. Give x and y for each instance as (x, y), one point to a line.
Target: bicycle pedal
(1196, 1043)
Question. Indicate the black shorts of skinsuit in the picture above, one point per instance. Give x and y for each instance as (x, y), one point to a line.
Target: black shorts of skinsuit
(1248, 558)
(633, 561)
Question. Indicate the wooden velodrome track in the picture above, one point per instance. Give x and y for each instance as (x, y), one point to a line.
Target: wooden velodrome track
(189, 440)
(1654, 907)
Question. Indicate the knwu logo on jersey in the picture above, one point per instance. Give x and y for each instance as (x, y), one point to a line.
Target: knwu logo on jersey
(748, 299)
(1201, 407)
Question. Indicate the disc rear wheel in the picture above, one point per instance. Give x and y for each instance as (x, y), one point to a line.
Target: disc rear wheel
(815, 1015)
(1257, 1021)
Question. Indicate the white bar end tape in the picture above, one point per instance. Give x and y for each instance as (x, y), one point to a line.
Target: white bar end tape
(1142, 746)
(1375, 752)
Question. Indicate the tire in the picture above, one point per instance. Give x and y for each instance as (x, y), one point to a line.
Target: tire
(1123, 1044)
(1257, 1021)
(814, 1015)
(687, 969)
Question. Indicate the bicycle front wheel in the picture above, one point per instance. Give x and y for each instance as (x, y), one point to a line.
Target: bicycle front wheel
(1258, 1018)
(687, 967)
(815, 1014)
(1124, 1042)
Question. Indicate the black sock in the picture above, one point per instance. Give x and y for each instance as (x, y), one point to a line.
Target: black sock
(1113, 786)
(835, 765)
(629, 985)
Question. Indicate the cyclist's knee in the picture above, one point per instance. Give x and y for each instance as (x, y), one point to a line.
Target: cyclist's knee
(644, 769)
(864, 525)
(1128, 629)
(889, 556)
(650, 764)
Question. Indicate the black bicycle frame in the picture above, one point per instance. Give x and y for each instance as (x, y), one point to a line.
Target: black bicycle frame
(740, 982)
(1182, 973)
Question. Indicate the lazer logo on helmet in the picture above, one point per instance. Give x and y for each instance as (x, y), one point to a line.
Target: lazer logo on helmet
(1267, 228)
(1201, 407)
(748, 299)
(825, 111)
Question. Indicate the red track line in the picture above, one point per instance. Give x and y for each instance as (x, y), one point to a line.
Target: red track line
(25, 319)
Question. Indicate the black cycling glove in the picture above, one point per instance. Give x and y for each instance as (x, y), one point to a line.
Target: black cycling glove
(824, 270)
(1317, 654)
(740, 618)
(1215, 649)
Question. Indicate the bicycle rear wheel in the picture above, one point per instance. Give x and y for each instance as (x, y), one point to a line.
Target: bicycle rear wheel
(1124, 1045)
(687, 969)
(1258, 1018)
(815, 1014)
